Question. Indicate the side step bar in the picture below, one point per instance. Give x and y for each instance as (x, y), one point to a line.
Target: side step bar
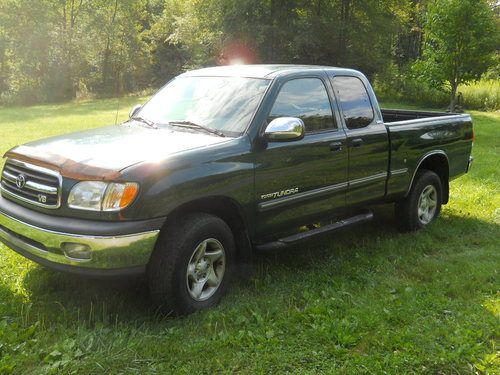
(293, 239)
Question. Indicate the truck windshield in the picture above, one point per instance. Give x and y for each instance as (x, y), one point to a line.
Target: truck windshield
(225, 104)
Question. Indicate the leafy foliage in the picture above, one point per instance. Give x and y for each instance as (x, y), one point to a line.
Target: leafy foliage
(461, 38)
(56, 50)
(50, 49)
(53, 50)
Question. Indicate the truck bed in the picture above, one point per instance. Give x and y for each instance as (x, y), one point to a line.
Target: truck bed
(416, 134)
(396, 115)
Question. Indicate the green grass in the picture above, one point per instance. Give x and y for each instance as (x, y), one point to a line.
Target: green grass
(366, 300)
(483, 94)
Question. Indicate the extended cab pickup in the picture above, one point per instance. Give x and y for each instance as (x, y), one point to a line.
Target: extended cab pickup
(222, 161)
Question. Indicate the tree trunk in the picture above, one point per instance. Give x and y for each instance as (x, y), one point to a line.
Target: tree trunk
(70, 12)
(453, 97)
(345, 11)
(106, 69)
(272, 22)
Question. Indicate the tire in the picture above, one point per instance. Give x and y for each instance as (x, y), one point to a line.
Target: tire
(187, 272)
(422, 205)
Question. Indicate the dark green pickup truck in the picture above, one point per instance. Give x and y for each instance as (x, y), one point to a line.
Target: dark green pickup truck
(220, 162)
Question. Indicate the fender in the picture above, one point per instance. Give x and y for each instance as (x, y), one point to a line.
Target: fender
(422, 159)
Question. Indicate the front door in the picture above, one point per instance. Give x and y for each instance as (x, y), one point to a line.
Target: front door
(300, 181)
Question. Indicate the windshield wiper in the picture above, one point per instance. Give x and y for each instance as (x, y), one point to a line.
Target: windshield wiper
(149, 123)
(193, 125)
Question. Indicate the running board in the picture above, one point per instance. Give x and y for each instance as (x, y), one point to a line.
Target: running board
(291, 240)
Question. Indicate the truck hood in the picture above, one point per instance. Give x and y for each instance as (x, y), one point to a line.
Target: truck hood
(103, 152)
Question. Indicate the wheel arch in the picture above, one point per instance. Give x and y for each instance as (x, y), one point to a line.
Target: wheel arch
(232, 214)
(437, 162)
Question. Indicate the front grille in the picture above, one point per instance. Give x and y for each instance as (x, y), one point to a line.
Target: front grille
(32, 184)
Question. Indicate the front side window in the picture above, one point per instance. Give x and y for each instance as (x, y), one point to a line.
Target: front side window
(354, 101)
(307, 99)
(226, 104)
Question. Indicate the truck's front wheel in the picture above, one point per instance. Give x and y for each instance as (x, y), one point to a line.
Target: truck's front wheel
(191, 266)
(423, 203)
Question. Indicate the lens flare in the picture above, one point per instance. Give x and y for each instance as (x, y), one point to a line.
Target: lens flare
(237, 52)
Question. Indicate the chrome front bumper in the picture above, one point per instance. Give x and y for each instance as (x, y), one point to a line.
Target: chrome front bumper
(131, 251)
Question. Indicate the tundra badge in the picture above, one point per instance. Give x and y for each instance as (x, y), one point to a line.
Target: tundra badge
(282, 193)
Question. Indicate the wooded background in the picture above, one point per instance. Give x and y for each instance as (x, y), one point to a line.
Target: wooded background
(56, 50)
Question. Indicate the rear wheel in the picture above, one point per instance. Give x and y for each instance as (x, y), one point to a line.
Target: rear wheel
(192, 264)
(423, 203)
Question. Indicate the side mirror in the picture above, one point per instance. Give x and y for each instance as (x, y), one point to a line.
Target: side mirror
(285, 129)
(134, 110)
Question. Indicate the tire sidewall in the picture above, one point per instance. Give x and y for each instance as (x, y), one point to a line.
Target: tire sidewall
(425, 179)
(218, 230)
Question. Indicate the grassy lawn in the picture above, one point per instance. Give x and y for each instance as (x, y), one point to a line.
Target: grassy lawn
(366, 300)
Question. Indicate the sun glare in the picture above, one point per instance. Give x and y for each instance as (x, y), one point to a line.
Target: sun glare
(236, 61)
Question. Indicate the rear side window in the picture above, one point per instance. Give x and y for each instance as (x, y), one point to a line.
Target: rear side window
(354, 100)
(307, 99)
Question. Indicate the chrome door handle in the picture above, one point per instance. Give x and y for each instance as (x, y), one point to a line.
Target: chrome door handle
(358, 142)
(336, 146)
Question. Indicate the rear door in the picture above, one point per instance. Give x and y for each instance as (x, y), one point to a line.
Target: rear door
(367, 139)
(298, 182)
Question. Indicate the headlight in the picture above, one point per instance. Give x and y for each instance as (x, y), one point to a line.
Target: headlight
(102, 196)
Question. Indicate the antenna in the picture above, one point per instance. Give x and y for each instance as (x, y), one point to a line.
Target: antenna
(118, 96)
(117, 109)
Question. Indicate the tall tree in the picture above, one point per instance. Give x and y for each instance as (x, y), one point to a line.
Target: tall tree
(460, 40)
(410, 34)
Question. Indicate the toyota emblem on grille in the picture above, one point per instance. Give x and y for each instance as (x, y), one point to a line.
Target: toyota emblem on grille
(20, 181)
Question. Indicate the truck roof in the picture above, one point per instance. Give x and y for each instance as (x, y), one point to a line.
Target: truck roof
(265, 71)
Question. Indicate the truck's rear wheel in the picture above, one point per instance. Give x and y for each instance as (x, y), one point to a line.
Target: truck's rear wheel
(191, 266)
(423, 203)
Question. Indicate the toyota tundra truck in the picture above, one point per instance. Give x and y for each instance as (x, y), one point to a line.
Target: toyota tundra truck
(222, 162)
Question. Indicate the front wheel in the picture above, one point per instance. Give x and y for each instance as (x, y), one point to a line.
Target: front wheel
(423, 203)
(192, 264)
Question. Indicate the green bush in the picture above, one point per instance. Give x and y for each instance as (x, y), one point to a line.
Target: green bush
(398, 85)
